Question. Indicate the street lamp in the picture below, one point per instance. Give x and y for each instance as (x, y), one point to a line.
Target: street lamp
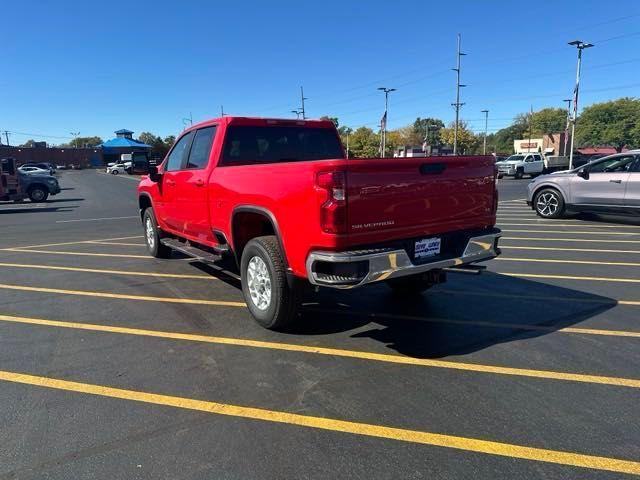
(383, 123)
(75, 138)
(486, 122)
(580, 45)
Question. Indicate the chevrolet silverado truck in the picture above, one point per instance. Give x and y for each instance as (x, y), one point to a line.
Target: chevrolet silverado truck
(281, 201)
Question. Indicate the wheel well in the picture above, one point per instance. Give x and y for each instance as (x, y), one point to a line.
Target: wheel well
(144, 202)
(248, 225)
(34, 185)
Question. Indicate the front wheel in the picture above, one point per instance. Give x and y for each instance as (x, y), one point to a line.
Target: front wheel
(38, 194)
(114, 172)
(271, 301)
(152, 236)
(549, 203)
(519, 174)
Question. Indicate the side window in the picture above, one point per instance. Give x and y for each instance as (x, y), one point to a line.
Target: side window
(613, 165)
(201, 148)
(179, 153)
(636, 166)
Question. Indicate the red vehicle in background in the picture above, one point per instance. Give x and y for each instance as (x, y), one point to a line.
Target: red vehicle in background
(279, 197)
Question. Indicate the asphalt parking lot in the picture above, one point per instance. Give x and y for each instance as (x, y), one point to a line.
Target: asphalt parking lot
(117, 365)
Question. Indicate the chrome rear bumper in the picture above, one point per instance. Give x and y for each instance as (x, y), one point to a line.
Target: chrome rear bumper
(374, 265)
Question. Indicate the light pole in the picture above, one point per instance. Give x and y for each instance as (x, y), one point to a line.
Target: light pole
(486, 123)
(383, 123)
(457, 105)
(302, 99)
(75, 138)
(297, 112)
(580, 45)
(566, 128)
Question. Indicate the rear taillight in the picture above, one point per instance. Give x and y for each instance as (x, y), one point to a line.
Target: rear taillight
(333, 209)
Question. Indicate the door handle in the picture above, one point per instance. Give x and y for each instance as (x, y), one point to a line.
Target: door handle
(199, 182)
(170, 182)
(615, 181)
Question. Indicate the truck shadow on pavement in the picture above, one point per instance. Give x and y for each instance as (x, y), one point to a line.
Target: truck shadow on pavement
(462, 317)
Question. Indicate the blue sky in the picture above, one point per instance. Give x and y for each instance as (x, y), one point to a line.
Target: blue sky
(95, 67)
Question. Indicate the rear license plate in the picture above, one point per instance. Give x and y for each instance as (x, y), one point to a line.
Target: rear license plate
(427, 247)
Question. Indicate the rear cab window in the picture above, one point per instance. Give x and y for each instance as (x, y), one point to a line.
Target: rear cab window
(247, 145)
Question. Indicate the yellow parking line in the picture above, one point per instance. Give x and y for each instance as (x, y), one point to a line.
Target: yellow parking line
(549, 224)
(75, 242)
(81, 254)
(119, 244)
(545, 298)
(112, 272)
(570, 277)
(572, 232)
(542, 239)
(335, 425)
(336, 352)
(577, 262)
(555, 249)
(123, 296)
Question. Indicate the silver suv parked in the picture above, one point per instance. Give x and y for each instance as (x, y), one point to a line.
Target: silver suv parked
(607, 185)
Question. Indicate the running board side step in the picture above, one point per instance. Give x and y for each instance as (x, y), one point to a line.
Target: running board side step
(190, 250)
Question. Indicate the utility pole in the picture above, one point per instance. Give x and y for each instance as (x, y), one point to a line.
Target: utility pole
(302, 99)
(222, 110)
(347, 131)
(486, 124)
(580, 45)
(383, 122)
(457, 105)
(566, 128)
(6, 136)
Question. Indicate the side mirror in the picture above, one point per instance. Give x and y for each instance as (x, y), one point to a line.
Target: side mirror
(154, 175)
(583, 173)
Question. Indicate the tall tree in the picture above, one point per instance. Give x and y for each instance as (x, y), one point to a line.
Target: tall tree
(549, 120)
(364, 143)
(333, 119)
(467, 141)
(419, 129)
(28, 144)
(83, 142)
(615, 123)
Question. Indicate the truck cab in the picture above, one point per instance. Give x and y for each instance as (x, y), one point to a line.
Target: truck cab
(521, 164)
(10, 189)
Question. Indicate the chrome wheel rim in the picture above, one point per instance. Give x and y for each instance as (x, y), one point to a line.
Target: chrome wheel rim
(150, 233)
(547, 204)
(259, 283)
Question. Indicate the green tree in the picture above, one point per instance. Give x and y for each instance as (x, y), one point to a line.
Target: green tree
(333, 119)
(419, 129)
(364, 142)
(467, 141)
(615, 123)
(28, 144)
(83, 142)
(549, 120)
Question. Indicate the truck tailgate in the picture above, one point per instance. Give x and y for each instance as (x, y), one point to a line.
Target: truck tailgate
(420, 195)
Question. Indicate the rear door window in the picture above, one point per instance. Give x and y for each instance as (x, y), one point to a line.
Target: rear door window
(201, 147)
(274, 144)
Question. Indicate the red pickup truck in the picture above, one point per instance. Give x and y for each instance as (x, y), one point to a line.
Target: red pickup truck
(280, 198)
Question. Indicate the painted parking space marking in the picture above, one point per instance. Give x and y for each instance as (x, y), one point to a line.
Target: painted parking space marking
(335, 425)
(581, 225)
(75, 242)
(122, 296)
(123, 244)
(576, 262)
(548, 298)
(571, 277)
(96, 219)
(571, 232)
(546, 239)
(337, 352)
(564, 249)
(109, 272)
(85, 254)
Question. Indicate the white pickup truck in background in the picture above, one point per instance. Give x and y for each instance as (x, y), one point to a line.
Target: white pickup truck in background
(532, 164)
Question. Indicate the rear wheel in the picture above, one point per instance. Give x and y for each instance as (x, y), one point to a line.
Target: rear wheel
(38, 193)
(549, 203)
(152, 236)
(114, 172)
(519, 174)
(271, 301)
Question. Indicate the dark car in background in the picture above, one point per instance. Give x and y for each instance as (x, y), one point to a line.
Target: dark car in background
(38, 187)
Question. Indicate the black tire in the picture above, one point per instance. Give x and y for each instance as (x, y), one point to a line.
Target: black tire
(38, 193)
(519, 174)
(549, 203)
(281, 309)
(152, 235)
(409, 286)
(114, 172)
